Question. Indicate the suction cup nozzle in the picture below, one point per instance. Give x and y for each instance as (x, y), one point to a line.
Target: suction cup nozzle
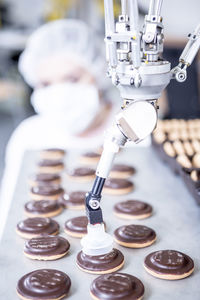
(97, 241)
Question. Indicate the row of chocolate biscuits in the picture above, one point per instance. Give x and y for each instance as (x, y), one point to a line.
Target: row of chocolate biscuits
(134, 236)
(41, 232)
(180, 142)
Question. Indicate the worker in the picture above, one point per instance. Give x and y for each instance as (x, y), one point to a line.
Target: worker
(63, 64)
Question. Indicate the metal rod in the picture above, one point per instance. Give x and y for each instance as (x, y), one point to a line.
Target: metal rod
(134, 27)
(158, 7)
(124, 7)
(109, 17)
(98, 185)
(133, 7)
(151, 7)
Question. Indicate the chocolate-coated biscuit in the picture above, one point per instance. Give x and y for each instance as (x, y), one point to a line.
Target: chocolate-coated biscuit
(188, 148)
(133, 209)
(121, 171)
(82, 174)
(50, 166)
(52, 153)
(90, 158)
(184, 161)
(169, 264)
(134, 236)
(169, 149)
(196, 160)
(46, 192)
(35, 227)
(159, 136)
(117, 186)
(117, 286)
(44, 284)
(44, 179)
(46, 247)
(42, 208)
(76, 227)
(100, 264)
(73, 200)
(178, 147)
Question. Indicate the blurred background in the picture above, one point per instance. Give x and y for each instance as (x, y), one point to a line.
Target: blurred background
(18, 19)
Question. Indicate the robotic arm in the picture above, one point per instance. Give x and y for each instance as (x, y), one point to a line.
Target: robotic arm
(137, 69)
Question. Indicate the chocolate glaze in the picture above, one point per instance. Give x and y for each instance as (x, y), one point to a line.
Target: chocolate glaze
(44, 284)
(119, 286)
(50, 163)
(169, 262)
(45, 178)
(101, 262)
(91, 154)
(133, 207)
(38, 226)
(73, 199)
(42, 206)
(77, 224)
(123, 168)
(46, 246)
(82, 171)
(116, 183)
(47, 190)
(134, 234)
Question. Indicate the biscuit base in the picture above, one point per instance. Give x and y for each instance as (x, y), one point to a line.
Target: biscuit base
(75, 207)
(132, 217)
(25, 298)
(81, 178)
(96, 298)
(102, 272)
(51, 170)
(74, 234)
(53, 155)
(168, 276)
(37, 197)
(43, 257)
(118, 174)
(33, 183)
(27, 236)
(124, 191)
(46, 215)
(135, 245)
(89, 160)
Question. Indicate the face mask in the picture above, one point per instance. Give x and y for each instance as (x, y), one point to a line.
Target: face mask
(70, 107)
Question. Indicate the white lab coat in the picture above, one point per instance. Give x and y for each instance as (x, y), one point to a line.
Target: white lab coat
(35, 133)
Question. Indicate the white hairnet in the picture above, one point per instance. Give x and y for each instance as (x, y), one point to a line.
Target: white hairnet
(71, 37)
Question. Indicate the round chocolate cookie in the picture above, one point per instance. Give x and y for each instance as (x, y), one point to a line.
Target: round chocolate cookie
(46, 247)
(117, 186)
(100, 264)
(73, 200)
(121, 171)
(76, 227)
(82, 174)
(35, 227)
(44, 179)
(119, 286)
(169, 264)
(134, 236)
(50, 166)
(90, 158)
(44, 284)
(53, 153)
(133, 209)
(42, 208)
(46, 192)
